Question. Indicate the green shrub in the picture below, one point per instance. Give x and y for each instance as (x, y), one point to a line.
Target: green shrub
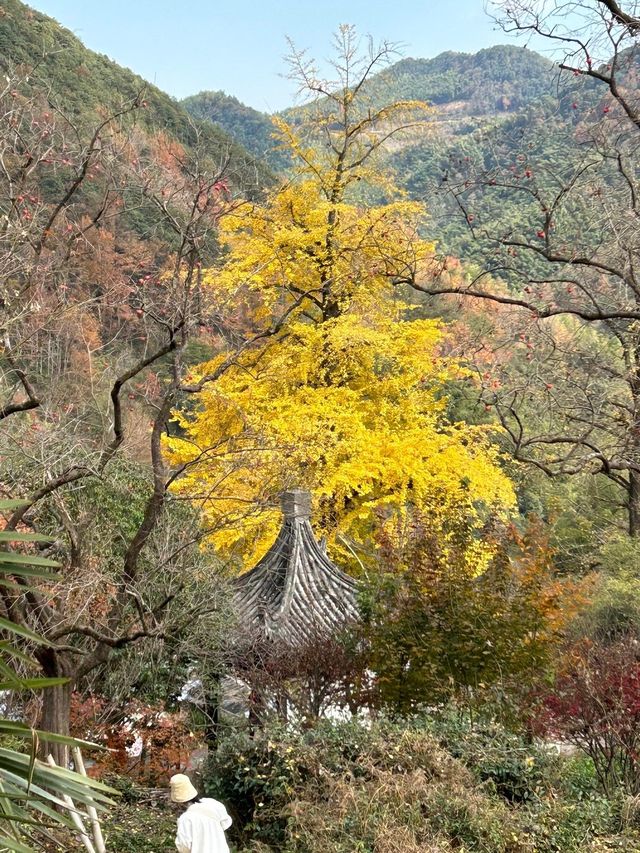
(346, 787)
(515, 767)
(255, 778)
(420, 786)
(569, 826)
(130, 827)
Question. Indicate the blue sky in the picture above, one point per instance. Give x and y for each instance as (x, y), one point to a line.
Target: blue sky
(239, 47)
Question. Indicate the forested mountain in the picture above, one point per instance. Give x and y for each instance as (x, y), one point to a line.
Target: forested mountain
(463, 88)
(483, 106)
(251, 128)
(83, 84)
(506, 88)
(503, 105)
(499, 79)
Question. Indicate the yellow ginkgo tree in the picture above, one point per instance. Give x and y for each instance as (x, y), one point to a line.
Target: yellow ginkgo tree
(349, 397)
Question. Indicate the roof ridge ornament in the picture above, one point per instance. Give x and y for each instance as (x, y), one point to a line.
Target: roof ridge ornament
(296, 504)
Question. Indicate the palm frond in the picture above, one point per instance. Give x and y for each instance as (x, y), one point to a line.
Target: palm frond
(33, 794)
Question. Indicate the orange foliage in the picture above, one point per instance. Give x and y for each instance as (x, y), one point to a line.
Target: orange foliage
(145, 742)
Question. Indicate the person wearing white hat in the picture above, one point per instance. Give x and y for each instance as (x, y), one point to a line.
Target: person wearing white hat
(201, 827)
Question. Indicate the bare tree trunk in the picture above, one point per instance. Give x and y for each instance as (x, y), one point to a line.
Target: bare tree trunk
(282, 706)
(634, 504)
(256, 712)
(213, 699)
(56, 705)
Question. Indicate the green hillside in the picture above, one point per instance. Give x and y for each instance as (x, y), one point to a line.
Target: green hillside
(82, 83)
(249, 127)
(525, 117)
(499, 79)
(483, 105)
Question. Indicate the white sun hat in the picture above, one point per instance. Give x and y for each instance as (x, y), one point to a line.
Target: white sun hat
(181, 789)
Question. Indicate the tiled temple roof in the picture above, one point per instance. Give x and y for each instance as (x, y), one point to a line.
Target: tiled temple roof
(295, 593)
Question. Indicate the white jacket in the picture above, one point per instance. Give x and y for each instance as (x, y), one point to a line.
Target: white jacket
(201, 828)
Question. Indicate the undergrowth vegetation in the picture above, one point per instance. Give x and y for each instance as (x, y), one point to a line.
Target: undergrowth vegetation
(423, 785)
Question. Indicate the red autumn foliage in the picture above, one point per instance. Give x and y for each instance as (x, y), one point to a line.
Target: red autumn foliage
(595, 705)
(326, 673)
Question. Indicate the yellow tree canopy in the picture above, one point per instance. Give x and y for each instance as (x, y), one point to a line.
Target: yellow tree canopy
(347, 400)
(352, 409)
(347, 396)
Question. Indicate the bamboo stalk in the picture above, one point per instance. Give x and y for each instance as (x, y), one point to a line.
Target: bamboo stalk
(75, 817)
(91, 810)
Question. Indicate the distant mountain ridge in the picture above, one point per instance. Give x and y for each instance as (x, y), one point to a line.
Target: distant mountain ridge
(499, 92)
(493, 98)
(502, 78)
(251, 128)
(495, 81)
